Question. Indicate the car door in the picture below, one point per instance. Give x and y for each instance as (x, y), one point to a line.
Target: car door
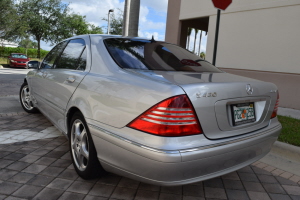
(62, 79)
(38, 81)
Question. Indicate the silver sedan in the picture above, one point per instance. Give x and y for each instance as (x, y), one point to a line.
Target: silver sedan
(150, 110)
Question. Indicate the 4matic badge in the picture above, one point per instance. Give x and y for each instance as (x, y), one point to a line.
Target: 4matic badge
(206, 94)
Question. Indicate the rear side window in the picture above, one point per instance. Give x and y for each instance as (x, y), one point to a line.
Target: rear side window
(51, 57)
(154, 55)
(71, 55)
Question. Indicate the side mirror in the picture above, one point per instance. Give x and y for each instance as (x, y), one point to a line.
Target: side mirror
(33, 64)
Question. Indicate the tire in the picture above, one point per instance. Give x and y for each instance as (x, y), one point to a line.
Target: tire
(25, 99)
(82, 149)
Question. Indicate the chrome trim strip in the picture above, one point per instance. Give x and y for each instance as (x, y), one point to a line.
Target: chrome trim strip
(174, 109)
(170, 118)
(131, 142)
(228, 142)
(173, 114)
(168, 123)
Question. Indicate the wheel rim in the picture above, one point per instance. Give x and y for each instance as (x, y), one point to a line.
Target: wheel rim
(79, 145)
(25, 98)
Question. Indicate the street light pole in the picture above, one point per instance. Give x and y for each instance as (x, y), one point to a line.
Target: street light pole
(108, 21)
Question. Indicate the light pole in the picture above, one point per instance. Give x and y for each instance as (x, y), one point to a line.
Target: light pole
(108, 21)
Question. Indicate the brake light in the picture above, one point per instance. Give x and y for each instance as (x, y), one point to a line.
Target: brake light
(172, 117)
(274, 114)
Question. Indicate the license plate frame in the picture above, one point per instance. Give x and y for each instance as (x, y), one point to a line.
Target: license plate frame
(243, 113)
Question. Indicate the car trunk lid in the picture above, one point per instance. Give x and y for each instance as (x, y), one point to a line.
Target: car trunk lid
(226, 105)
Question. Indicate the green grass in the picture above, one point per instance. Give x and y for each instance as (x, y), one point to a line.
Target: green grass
(290, 130)
(3, 61)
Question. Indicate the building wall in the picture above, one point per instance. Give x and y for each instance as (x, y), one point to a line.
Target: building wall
(259, 34)
(264, 39)
(287, 84)
(199, 8)
(5, 43)
(259, 39)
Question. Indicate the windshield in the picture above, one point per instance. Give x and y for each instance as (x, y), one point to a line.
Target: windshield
(153, 55)
(19, 56)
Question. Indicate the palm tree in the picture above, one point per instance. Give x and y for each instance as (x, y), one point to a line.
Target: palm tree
(196, 32)
(202, 55)
(188, 37)
(200, 43)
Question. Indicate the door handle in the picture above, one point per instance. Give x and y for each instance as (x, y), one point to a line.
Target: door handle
(70, 79)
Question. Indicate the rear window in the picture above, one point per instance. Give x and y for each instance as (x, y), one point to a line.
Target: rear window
(155, 55)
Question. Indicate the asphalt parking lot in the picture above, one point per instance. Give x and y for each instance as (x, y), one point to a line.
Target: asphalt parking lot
(35, 163)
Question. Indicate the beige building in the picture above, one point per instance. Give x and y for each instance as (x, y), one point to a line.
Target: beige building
(258, 39)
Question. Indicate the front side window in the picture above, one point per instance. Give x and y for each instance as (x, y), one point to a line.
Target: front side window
(155, 55)
(48, 62)
(70, 57)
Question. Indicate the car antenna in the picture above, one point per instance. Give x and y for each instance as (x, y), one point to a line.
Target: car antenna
(152, 40)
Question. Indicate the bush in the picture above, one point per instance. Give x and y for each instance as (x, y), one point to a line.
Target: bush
(31, 53)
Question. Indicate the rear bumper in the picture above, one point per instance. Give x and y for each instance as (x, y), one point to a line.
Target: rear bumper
(168, 168)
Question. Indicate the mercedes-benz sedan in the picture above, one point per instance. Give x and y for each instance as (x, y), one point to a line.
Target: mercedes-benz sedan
(150, 110)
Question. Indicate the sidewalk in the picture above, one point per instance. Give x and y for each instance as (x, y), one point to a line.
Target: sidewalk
(289, 112)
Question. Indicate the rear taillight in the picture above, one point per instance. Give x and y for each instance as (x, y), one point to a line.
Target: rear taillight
(274, 114)
(172, 117)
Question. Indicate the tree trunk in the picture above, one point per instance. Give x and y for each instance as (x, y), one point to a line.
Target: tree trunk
(196, 32)
(39, 48)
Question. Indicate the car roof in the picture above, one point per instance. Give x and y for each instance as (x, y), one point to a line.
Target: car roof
(105, 36)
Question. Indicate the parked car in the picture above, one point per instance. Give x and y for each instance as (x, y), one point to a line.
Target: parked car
(34, 64)
(150, 110)
(17, 60)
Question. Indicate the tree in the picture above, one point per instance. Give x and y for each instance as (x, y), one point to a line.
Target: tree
(74, 24)
(196, 32)
(92, 29)
(202, 55)
(26, 43)
(9, 22)
(188, 37)
(116, 23)
(42, 19)
(200, 40)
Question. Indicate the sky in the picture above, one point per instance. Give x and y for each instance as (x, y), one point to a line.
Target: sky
(153, 14)
(152, 21)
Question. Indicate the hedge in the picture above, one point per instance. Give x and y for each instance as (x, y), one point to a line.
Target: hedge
(31, 53)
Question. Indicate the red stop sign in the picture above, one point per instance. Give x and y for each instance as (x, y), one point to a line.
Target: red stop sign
(221, 4)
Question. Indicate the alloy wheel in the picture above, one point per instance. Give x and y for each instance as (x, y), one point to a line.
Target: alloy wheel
(79, 145)
(25, 98)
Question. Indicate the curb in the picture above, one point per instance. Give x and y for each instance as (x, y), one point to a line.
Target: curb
(286, 150)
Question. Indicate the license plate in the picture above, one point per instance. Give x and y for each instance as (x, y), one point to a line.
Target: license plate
(243, 113)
